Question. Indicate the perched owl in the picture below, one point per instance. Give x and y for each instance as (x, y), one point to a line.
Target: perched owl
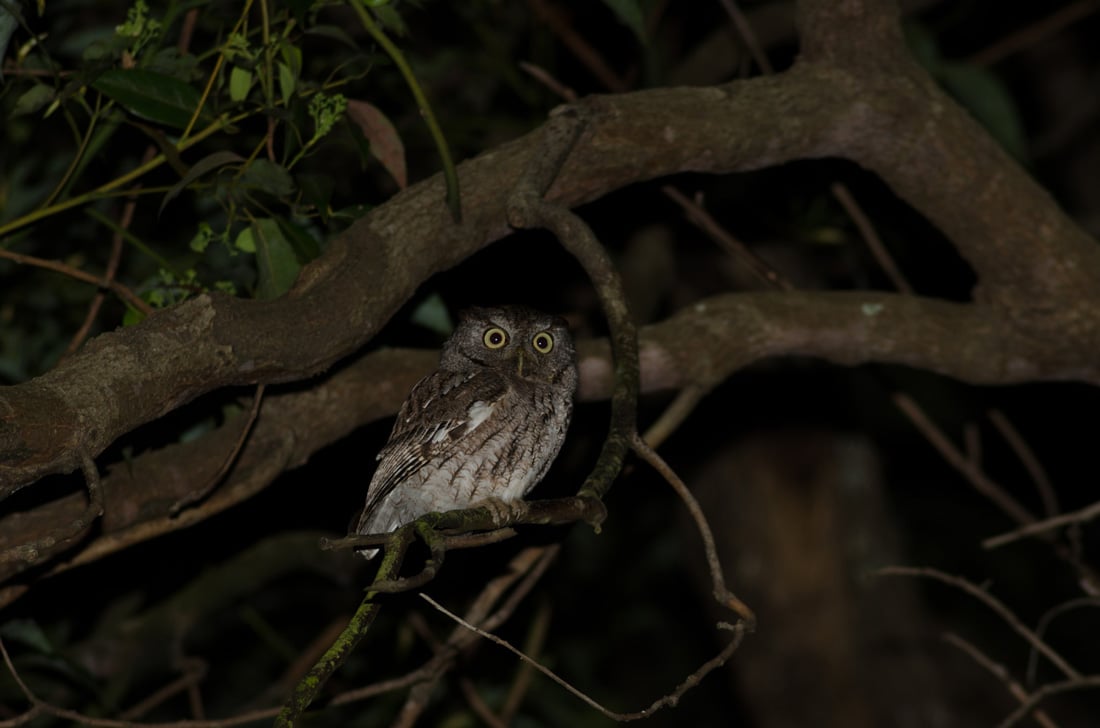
(486, 424)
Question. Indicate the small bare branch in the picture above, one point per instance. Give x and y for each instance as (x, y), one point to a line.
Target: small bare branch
(1090, 682)
(748, 36)
(973, 474)
(700, 218)
(666, 701)
(993, 604)
(718, 581)
(1030, 461)
(230, 458)
(674, 415)
(870, 237)
(1000, 672)
(1044, 526)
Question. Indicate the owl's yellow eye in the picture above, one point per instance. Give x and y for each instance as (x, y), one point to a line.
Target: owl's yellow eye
(495, 337)
(543, 342)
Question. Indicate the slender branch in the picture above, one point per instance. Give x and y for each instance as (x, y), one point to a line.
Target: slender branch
(703, 220)
(526, 208)
(870, 236)
(994, 604)
(104, 281)
(1044, 526)
(1045, 621)
(230, 458)
(718, 581)
(1000, 672)
(552, 17)
(973, 474)
(1030, 462)
(1091, 682)
(310, 685)
(674, 415)
(744, 29)
(1034, 33)
(398, 58)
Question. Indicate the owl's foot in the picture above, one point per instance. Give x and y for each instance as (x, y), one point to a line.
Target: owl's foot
(502, 511)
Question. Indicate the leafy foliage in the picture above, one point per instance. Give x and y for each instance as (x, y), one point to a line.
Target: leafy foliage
(221, 149)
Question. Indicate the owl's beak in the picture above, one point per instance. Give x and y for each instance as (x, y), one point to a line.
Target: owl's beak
(519, 362)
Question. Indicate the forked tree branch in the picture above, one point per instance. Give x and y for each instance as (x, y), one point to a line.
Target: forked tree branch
(854, 94)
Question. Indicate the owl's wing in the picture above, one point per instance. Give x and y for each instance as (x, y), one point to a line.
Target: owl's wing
(441, 409)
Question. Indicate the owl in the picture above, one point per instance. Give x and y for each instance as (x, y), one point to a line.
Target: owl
(486, 424)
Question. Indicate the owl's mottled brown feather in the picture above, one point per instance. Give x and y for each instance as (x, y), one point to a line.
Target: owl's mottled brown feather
(488, 423)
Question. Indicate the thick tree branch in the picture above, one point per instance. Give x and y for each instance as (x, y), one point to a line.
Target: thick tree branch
(854, 94)
(700, 346)
(1034, 263)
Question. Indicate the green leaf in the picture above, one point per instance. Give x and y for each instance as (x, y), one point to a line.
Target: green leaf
(240, 82)
(292, 57)
(985, 96)
(317, 191)
(33, 99)
(246, 241)
(333, 32)
(9, 21)
(28, 633)
(266, 176)
(305, 246)
(922, 44)
(287, 83)
(202, 238)
(391, 19)
(278, 265)
(433, 315)
(630, 15)
(198, 169)
(150, 95)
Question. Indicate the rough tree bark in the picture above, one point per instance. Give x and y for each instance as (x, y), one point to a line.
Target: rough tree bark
(854, 93)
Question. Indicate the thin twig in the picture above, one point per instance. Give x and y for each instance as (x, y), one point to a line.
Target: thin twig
(449, 173)
(674, 415)
(39, 706)
(744, 29)
(974, 475)
(718, 581)
(1030, 461)
(231, 458)
(1081, 683)
(870, 237)
(536, 639)
(698, 216)
(124, 222)
(1044, 622)
(478, 705)
(998, 671)
(993, 603)
(1041, 527)
(666, 701)
(310, 686)
(99, 281)
(542, 76)
(551, 16)
(180, 684)
(526, 208)
(1034, 33)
